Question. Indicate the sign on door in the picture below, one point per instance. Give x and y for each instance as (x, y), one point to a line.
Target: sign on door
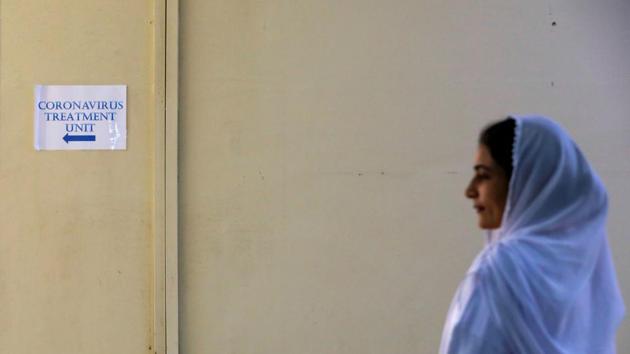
(80, 117)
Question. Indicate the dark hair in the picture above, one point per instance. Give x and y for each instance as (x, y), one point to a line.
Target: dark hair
(499, 139)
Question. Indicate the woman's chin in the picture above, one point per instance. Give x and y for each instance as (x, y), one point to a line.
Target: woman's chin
(488, 225)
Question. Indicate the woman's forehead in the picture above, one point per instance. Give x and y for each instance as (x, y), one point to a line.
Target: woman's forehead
(483, 159)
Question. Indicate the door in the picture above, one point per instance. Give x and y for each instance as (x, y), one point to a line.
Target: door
(78, 228)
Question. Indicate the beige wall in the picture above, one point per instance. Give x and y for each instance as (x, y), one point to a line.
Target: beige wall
(77, 228)
(325, 146)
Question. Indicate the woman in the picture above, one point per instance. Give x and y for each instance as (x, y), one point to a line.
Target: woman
(544, 283)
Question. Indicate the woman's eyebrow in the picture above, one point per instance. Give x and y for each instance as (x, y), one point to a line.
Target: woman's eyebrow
(482, 167)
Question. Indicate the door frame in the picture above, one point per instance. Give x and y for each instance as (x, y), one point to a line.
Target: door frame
(166, 289)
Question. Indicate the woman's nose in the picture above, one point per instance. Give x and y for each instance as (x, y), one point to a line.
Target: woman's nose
(471, 192)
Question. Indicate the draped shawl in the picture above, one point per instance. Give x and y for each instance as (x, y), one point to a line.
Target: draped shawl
(544, 282)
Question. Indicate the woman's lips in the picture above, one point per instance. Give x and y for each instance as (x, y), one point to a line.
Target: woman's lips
(479, 208)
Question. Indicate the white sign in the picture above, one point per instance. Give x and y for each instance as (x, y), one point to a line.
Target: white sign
(74, 117)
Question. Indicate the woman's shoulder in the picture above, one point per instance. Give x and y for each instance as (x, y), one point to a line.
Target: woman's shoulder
(471, 326)
(471, 303)
(499, 255)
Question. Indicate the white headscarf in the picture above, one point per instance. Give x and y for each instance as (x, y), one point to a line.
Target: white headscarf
(545, 279)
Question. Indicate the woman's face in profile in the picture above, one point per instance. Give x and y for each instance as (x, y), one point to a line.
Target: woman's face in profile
(488, 189)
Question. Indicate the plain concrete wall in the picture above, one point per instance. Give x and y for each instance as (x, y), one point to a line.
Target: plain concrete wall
(326, 145)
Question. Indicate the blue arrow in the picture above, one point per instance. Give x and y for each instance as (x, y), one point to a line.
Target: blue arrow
(68, 138)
